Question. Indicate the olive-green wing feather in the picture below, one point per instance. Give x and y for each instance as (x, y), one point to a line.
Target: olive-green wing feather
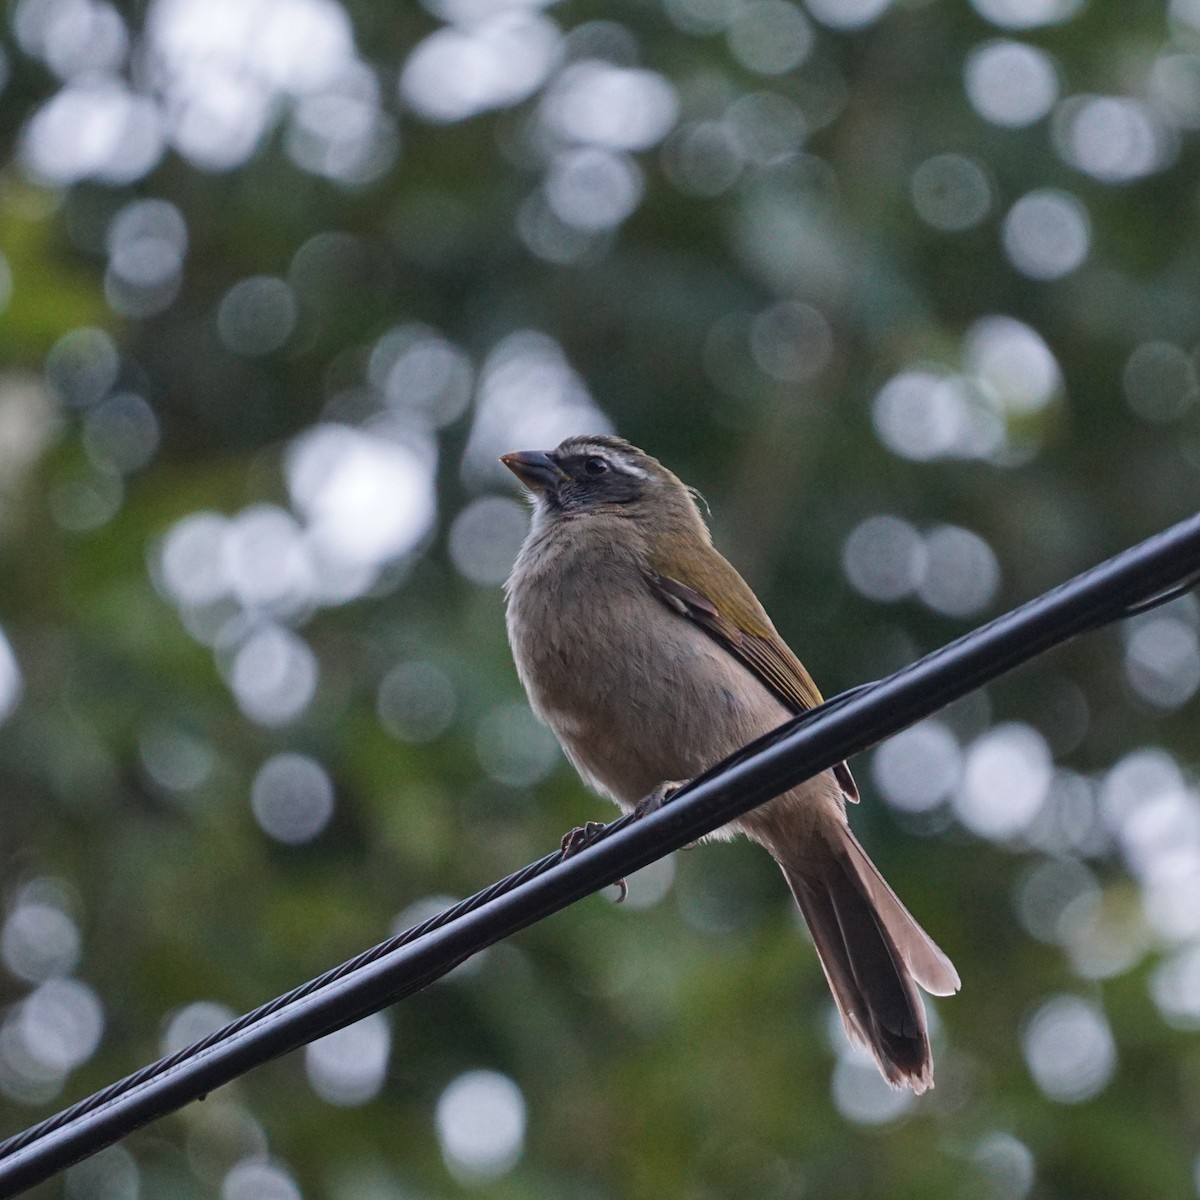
(711, 593)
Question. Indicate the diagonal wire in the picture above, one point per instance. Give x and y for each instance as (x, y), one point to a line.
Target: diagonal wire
(1153, 572)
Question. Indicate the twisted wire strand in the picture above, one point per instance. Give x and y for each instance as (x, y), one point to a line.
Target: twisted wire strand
(161, 1066)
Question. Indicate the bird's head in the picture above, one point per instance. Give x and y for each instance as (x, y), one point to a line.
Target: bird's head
(599, 475)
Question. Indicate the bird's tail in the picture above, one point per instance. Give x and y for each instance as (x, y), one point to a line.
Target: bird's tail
(873, 953)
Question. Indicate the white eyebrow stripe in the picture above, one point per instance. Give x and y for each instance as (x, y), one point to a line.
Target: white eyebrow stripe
(614, 457)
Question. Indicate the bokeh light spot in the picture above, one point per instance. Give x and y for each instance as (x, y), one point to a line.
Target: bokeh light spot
(1145, 779)
(82, 503)
(266, 563)
(884, 558)
(766, 127)
(918, 768)
(770, 37)
(193, 1022)
(593, 189)
(1052, 895)
(1007, 777)
(39, 940)
(485, 538)
(10, 679)
(456, 73)
(1026, 14)
(225, 68)
(416, 702)
(619, 108)
(1112, 138)
(791, 341)
(861, 1093)
(701, 17)
(95, 128)
(1069, 1049)
(82, 366)
(1160, 381)
(1007, 1164)
(1011, 84)
(257, 316)
(72, 37)
(514, 748)
(146, 242)
(1047, 234)
(60, 1023)
(1013, 362)
(1174, 86)
(951, 192)
(1175, 987)
(650, 885)
(1068, 822)
(924, 415)
(292, 798)
(121, 433)
(342, 133)
(1162, 660)
(529, 399)
(191, 559)
(256, 1179)
(367, 498)
(273, 675)
(481, 1126)
(421, 373)
(347, 1068)
(110, 1175)
(704, 158)
(961, 576)
(848, 14)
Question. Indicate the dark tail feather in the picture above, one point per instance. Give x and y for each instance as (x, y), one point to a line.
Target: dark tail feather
(873, 954)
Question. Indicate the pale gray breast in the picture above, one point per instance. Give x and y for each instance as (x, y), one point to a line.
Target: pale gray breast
(635, 693)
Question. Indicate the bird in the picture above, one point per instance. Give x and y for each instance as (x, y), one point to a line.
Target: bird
(650, 658)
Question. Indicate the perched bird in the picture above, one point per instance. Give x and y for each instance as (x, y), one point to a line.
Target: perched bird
(651, 659)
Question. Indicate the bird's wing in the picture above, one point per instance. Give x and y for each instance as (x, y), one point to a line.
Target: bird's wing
(719, 601)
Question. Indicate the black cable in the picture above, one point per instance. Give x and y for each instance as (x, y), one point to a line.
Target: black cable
(1151, 573)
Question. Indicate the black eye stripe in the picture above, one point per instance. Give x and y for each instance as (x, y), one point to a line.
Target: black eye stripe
(581, 465)
(616, 482)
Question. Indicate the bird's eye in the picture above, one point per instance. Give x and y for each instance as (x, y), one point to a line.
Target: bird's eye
(595, 465)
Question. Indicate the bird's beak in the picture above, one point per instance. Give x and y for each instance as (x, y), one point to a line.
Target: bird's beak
(534, 468)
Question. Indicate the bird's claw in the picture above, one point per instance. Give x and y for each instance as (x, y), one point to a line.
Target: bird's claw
(583, 836)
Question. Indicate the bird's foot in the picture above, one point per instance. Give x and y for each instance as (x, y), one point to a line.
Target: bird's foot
(657, 798)
(580, 838)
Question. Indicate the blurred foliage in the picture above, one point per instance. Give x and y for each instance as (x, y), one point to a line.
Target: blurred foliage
(859, 203)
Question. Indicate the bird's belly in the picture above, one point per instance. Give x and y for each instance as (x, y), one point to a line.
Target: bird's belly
(651, 710)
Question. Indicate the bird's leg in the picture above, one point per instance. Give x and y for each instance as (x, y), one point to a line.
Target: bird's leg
(657, 798)
(582, 836)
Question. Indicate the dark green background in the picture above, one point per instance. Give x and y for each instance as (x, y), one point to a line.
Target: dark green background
(681, 1049)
